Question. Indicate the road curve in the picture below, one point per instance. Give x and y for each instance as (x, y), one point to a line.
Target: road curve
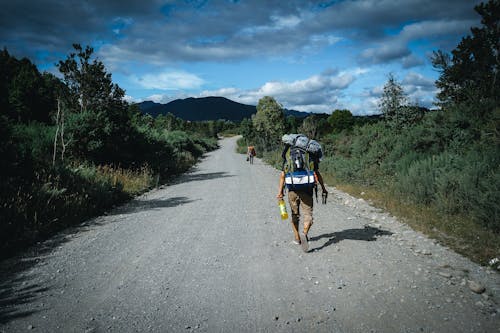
(208, 253)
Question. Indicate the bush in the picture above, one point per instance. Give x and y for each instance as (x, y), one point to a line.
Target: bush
(456, 184)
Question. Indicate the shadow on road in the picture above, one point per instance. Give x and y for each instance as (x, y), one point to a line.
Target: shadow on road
(17, 289)
(367, 234)
(193, 177)
(138, 205)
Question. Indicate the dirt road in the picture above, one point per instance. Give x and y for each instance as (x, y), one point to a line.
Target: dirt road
(209, 253)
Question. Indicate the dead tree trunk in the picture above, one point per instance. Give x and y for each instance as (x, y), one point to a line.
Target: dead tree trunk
(57, 131)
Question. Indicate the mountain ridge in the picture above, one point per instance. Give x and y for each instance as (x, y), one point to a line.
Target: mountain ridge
(206, 108)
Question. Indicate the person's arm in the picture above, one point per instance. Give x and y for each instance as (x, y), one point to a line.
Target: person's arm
(281, 185)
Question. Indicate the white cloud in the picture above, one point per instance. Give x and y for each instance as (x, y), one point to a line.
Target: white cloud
(285, 22)
(388, 51)
(157, 98)
(169, 80)
(416, 79)
(396, 47)
(420, 89)
(318, 93)
(130, 99)
(165, 98)
(310, 85)
(366, 107)
(314, 108)
(432, 29)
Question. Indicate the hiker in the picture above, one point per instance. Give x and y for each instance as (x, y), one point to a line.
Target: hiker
(300, 173)
(251, 153)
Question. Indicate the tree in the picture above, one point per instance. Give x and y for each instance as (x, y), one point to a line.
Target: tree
(99, 124)
(470, 74)
(246, 129)
(394, 105)
(25, 94)
(341, 120)
(91, 87)
(269, 122)
(311, 126)
(393, 98)
(292, 124)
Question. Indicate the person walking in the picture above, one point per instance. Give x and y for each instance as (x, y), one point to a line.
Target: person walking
(301, 183)
(251, 153)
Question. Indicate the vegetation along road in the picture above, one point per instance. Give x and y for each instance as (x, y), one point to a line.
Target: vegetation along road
(209, 253)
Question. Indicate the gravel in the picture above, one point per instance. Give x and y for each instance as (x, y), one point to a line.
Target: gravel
(209, 253)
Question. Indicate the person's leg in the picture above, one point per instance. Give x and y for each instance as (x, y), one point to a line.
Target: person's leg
(306, 209)
(294, 201)
(306, 206)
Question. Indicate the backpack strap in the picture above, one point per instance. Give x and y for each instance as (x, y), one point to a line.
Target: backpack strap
(284, 157)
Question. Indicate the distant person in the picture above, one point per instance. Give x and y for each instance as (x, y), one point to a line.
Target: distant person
(300, 174)
(251, 153)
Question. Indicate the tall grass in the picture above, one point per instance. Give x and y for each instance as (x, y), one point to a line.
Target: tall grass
(55, 198)
(37, 198)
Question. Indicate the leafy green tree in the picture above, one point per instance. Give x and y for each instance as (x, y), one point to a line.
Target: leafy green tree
(341, 120)
(91, 87)
(292, 124)
(25, 94)
(246, 128)
(470, 74)
(395, 107)
(99, 124)
(311, 126)
(269, 121)
(392, 100)
(23, 90)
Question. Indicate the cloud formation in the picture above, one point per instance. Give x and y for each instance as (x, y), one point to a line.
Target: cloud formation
(171, 31)
(318, 93)
(372, 34)
(169, 80)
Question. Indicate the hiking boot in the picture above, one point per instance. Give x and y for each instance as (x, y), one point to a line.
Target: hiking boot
(304, 241)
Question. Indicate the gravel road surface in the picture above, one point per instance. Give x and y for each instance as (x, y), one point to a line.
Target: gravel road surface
(209, 253)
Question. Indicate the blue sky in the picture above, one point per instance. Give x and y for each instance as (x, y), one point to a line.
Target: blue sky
(314, 56)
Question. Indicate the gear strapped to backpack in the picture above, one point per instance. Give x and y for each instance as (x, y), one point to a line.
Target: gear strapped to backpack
(299, 156)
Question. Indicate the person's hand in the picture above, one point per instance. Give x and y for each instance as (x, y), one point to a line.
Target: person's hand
(324, 196)
(280, 195)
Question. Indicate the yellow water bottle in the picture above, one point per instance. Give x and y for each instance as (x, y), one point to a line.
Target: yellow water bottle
(283, 212)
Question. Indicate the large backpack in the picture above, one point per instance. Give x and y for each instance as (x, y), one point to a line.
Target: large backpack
(299, 157)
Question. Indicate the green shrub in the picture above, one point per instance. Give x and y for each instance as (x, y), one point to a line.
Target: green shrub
(34, 141)
(456, 184)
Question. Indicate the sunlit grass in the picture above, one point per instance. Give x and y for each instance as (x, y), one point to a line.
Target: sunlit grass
(132, 182)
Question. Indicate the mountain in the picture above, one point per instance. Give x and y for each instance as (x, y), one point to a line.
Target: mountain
(206, 108)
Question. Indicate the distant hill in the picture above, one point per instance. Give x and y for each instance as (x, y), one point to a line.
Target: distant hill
(206, 108)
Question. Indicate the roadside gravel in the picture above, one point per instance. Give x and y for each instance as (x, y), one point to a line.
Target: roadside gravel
(209, 253)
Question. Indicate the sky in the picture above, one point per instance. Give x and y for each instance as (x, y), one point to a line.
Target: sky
(313, 56)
